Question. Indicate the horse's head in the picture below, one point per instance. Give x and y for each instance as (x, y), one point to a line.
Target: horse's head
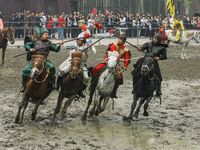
(9, 34)
(112, 61)
(38, 65)
(75, 64)
(147, 66)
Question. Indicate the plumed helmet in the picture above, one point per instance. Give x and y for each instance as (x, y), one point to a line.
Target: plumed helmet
(37, 31)
(43, 31)
(81, 37)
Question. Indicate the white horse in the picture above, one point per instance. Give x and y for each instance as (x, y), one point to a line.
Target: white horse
(185, 39)
(103, 86)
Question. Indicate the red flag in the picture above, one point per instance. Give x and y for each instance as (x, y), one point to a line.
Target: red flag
(107, 12)
(94, 11)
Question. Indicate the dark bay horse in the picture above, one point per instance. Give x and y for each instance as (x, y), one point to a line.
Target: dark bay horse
(6, 35)
(36, 89)
(70, 85)
(145, 86)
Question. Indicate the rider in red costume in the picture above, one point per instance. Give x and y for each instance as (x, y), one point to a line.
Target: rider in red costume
(124, 57)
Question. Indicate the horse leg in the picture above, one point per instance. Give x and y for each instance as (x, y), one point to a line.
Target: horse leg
(58, 106)
(34, 113)
(138, 109)
(104, 104)
(20, 105)
(25, 104)
(146, 105)
(135, 98)
(182, 53)
(185, 52)
(66, 105)
(98, 110)
(94, 109)
(3, 55)
(89, 103)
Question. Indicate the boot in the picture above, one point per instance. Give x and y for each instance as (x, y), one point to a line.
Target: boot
(114, 92)
(24, 79)
(80, 93)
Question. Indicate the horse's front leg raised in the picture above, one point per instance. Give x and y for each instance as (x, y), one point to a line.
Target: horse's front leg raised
(146, 105)
(34, 113)
(135, 98)
(58, 106)
(66, 105)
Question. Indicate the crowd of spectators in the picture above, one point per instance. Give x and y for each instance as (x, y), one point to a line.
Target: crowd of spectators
(68, 25)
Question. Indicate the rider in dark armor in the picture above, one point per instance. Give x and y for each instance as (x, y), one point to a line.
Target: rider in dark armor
(157, 51)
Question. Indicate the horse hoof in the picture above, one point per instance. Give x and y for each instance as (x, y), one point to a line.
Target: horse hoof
(146, 114)
(17, 120)
(91, 113)
(97, 112)
(83, 118)
(128, 119)
(33, 117)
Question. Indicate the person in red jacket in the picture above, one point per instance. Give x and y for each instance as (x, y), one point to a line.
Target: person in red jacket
(124, 57)
(50, 24)
(61, 22)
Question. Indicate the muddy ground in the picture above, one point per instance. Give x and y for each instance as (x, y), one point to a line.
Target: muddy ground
(174, 125)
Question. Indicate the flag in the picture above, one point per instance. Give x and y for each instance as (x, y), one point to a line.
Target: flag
(171, 7)
(94, 11)
(107, 12)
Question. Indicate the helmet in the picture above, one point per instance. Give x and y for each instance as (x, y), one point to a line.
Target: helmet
(81, 37)
(43, 31)
(158, 37)
(122, 36)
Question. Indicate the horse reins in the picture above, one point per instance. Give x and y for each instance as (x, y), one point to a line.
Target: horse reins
(43, 66)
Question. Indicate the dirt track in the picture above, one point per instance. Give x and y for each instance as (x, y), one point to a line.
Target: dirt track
(174, 125)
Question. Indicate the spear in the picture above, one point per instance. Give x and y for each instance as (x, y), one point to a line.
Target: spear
(60, 43)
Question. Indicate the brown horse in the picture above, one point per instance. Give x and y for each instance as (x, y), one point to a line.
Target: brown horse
(71, 84)
(36, 89)
(6, 35)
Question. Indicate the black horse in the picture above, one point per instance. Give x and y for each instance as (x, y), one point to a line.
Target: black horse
(145, 85)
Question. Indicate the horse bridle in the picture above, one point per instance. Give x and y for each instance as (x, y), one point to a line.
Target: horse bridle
(43, 66)
(78, 70)
(148, 69)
